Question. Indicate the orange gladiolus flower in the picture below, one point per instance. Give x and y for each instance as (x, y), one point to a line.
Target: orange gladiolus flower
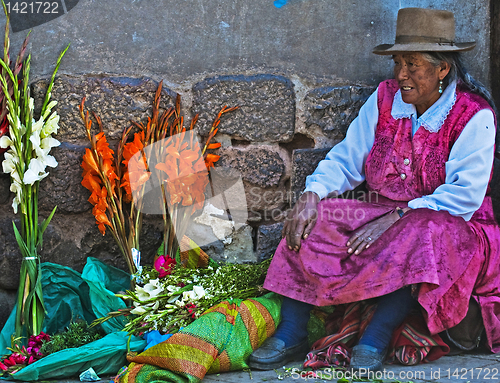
(130, 149)
(91, 182)
(89, 162)
(102, 147)
(210, 159)
(137, 173)
(92, 172)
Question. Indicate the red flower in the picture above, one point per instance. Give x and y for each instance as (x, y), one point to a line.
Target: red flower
(164, 264)
(3, 367)
(190, 308)
(14, 359)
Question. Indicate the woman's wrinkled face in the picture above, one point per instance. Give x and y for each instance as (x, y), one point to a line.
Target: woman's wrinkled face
(418, 79)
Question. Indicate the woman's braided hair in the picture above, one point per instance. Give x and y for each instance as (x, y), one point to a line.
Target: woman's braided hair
(458, 71)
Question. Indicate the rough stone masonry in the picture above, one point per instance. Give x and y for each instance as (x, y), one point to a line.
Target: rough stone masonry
(259, 144)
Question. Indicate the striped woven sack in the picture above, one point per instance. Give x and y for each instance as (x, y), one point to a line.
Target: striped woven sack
(219, 340)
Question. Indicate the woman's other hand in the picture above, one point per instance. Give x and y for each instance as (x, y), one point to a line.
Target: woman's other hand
(367, 234)
(301, 220)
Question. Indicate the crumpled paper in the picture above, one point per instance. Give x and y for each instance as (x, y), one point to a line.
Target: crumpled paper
(89, 376)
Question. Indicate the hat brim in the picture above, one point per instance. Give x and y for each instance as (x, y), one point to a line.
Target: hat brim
(391, 49)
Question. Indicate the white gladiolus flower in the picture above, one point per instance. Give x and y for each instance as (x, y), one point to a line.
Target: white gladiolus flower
(199, 291)
(51, 125)
(35, 172)
(16, 188)
(49, 143)
(180, 303)
(37, 126)
(49, 108)
(50, 161)
(35, 140)
(42, 147)
(153, 288)
(16, 177)
(9, 163)
(138, 310)
(150, 290)
(142, 294)
(188, 296)
(173, 288)
(6, 142)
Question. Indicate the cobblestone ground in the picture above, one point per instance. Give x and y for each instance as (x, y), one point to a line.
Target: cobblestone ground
(476, 367)
(462, 368)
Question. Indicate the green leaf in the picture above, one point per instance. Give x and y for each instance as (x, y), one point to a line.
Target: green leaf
(34, 309)
(43, 227)
(20, 299)
(51, 83)
(20, 242)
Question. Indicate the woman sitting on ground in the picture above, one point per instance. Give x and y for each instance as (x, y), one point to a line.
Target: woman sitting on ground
(424, 142)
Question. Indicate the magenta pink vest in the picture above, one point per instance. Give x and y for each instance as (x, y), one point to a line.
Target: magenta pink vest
(402, 168)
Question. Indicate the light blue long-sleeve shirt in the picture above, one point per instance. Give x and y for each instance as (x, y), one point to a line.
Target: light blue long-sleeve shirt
(467, 169)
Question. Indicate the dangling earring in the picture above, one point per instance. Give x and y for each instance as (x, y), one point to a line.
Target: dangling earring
(441, 86)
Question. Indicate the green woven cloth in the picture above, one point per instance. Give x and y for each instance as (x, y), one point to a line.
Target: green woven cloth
(219, 340)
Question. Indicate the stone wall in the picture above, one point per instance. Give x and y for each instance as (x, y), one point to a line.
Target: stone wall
(299, 75)
(260, 143)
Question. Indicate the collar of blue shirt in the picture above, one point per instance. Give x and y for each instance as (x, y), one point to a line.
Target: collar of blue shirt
(434, 117)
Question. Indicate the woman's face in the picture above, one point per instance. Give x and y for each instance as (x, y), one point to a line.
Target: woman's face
(418, 79)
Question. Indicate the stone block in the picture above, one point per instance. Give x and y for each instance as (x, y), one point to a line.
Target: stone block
(240, 249)
(116, 100)
(62, 187)
(266, 106)
(257, 165)
(7, 302)
(4, 187)
(266, 204)
(268, 239)
(304, 162)
(334, 108)
(262, 172)
(10, 256)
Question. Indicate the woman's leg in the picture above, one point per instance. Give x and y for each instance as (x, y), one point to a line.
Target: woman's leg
(294, 317)
(289, 340)
(391, 310)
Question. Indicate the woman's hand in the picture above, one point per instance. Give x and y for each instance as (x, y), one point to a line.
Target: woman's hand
(365, 235)
(301, 220)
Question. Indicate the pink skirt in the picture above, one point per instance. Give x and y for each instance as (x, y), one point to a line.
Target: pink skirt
(445, 255)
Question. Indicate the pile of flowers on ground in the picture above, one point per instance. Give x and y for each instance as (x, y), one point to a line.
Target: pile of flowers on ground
(75, 335)
(21, 356)
(173, 301)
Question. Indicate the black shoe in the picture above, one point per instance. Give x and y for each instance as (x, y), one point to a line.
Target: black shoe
(366, 359)
(274, 354)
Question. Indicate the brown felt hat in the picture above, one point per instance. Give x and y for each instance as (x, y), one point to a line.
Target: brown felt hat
(424, 30)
